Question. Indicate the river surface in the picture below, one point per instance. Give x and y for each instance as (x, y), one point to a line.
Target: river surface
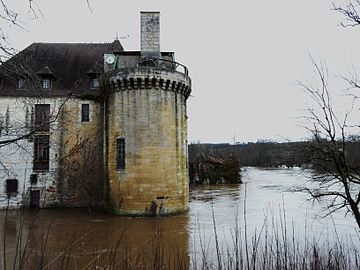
(268, 200)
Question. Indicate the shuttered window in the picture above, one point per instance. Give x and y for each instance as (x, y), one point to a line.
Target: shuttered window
(11, 186)
(41, 152)
(42, 117)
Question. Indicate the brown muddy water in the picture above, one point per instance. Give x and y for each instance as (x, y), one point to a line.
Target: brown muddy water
(267, 196)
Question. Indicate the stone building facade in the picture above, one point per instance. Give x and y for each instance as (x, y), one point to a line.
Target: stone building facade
(83, 124)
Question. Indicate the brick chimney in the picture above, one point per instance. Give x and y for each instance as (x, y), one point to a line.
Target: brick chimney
(150, 34)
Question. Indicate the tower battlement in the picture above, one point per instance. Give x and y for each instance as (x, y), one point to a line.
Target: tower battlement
(146, 78)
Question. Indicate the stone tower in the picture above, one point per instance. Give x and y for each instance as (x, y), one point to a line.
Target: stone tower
(146, 127)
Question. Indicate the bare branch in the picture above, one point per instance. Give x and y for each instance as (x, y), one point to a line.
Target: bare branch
(350, 12)
(336, 177)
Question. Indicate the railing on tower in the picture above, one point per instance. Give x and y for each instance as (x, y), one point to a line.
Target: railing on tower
(163, 64)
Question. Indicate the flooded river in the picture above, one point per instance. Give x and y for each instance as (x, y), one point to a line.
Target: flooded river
(267, 197)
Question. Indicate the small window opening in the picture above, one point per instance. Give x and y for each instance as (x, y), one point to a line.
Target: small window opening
(85, 112)
(11, 186)
(46, 84)
(120, 149)
(21, 84)
(33, 179)
(95, 83)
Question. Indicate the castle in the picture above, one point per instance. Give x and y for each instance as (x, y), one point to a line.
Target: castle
(83, 124)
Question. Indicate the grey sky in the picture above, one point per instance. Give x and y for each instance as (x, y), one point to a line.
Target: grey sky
(244, 57)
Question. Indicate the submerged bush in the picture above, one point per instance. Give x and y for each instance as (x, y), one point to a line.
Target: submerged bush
(207, 169)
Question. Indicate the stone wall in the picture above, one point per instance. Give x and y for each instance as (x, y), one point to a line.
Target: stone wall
(81, 164)
(152, 120)
(16, 159)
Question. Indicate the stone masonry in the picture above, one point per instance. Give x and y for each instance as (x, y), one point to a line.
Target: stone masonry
(150, 34)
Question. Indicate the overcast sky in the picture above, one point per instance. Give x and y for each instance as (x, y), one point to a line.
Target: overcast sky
(244, 57)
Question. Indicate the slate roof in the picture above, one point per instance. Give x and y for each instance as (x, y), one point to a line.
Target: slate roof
(45, 71)
(69, 63)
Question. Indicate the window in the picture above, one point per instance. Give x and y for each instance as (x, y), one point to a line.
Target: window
(46, 84)
(85, 112)
(42, 117)
(11, 186)
(120, 151)
(41, 152)
(33, 179)
(95, 83)
(21, 83)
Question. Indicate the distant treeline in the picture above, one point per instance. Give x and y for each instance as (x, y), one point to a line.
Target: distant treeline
(271, 154)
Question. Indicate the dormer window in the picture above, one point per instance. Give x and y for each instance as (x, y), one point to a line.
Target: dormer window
(46, 83)
(94, 75)
(21, 84)
(95, 83)
(47, 78)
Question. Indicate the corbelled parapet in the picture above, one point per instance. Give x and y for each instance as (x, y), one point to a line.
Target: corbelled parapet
(146, 78)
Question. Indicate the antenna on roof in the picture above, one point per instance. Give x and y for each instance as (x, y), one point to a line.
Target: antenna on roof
(121, 37)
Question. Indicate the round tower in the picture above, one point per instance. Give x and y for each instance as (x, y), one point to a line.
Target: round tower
(146, 134)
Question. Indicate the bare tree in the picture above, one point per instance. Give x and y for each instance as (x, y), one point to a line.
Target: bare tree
(82, 169)
(338, 177)
(350, 9)
(333, 135)
(10, 17)
(25, 145)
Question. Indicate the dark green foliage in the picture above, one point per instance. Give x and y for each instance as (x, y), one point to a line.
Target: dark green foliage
(207, 169)
(231, 170)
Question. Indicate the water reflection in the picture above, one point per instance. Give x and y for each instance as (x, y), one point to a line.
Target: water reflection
(212, 193)
(69, 238)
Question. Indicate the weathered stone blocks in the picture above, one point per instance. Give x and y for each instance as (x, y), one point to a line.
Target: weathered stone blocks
(152, 120)
(150, 34)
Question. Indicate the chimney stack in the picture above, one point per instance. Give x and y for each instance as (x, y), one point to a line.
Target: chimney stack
(150, 34)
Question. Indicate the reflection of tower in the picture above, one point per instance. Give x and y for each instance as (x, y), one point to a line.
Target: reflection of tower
(146, 134)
